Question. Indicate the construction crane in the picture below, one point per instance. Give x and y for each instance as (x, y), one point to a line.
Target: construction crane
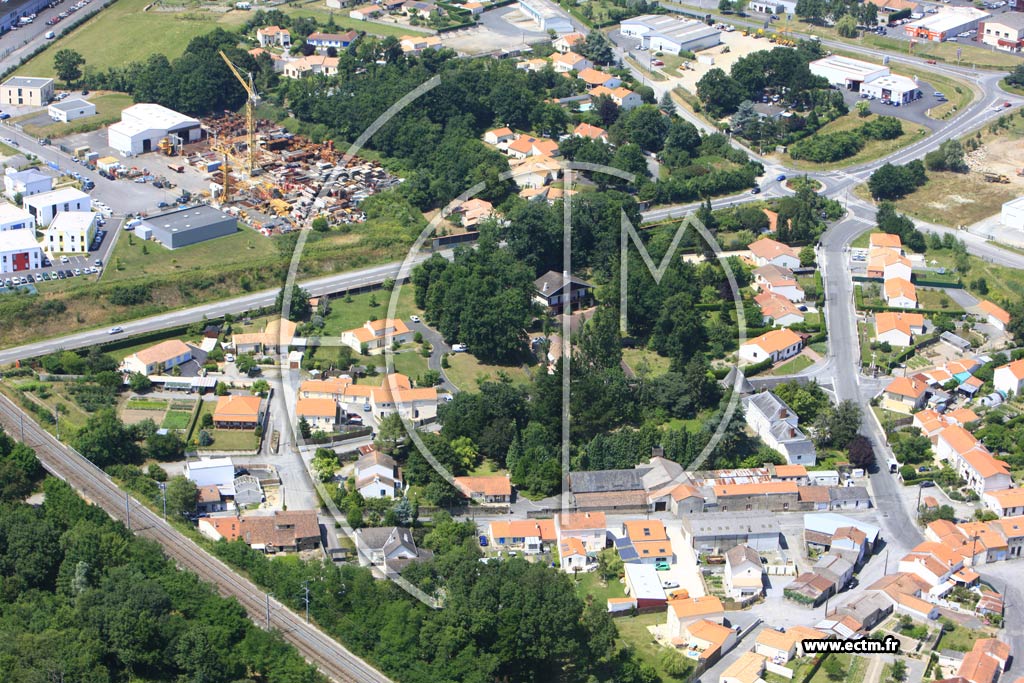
(250, 123)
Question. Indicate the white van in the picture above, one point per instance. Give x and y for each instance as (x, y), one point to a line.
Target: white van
(49, 35)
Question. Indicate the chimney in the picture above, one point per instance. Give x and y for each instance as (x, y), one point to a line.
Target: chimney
(657, 452)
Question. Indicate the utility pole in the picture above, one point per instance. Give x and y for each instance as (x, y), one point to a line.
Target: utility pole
(127, 511)
(163, 493)
(305, 588)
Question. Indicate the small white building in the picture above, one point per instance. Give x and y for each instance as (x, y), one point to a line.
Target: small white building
(67, 111)
(845, 72)
(70, 232)
(26, 183)
(19, 251)
(46, 205)
(142, 126)
(13, 218)
(376, 474)
(892, 88)
(210, 471)
(1009, 378)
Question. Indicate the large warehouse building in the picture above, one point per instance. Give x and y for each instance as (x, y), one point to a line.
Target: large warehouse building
(662, 33)
(847, 73)
(142, 126)
(946, 24)
(182, 227)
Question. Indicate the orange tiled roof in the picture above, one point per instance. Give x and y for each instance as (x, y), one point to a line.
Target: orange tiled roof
(904, 322)
(316, 407)
(237, 409)
(886, 240)
(776, 340)
(996, 312)
(489, 486)
(696, 607)
(767, 248)
(579, 521)
(162, 352)
(905, 386)
(898, 286)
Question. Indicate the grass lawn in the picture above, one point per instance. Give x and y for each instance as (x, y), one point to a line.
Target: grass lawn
(633, 633)
(955, 199)
(72, 416)
(874, 149)
(855, 668)
(231, 440)
(796, 365)
(465, 370)
(487, 468)
(133, 257)
(145, 404)
(935, 298)
(1004, 284)
(316, 10)
(590, 583)
(108, 111)
(866, 332)
(410, 363)
(112, 37)
(960, 639)
(176, 419)
(645, 362)
(346, 315)
(820, 347)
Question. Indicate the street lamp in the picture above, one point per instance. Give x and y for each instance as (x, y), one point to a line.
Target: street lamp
(163, 494)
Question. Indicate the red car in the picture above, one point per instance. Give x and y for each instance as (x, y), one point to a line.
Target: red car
(929, 61)
(1006, 104)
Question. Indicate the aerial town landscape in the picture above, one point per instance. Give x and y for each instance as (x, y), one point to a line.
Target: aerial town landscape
(500, 341)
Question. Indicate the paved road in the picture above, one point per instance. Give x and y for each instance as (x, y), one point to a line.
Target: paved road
(328, 655)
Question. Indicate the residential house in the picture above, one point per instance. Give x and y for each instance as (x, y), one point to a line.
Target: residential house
(778, 345)
(595, 78)
(835, 568)
(238, 412)
(904, 395)
(705, 640)
(573, 556)
(767, 251)
(322, 42)
(527, 535)
(985, 662)
(474, 8)
(331, 387)
(1005, 502)
(888, 264)
(848, 498)
(625, 98)
(275, 338)
(994, 315)
(608, 490)
(1011, 529)
(972, 460)
(535, 65)
(390, 548)
(159, 358)
(526, 146)
(283, 531)
(568, 42)
(645, 541)
(772, 278)
(777, 310)
(747, 669)
(375, 335)
(488, 489)
(866, 611)
(394, 394)
(591, 528)
(218, 472)
(781, 646)
(811, 588)
(685, 611)
(932, 562)
(898, 329)
(828, 530)
(565, 62)
(227, 528)
(900, 293)
(743, 573)
(209, 499)
(1009, 379)
(423, 10)
(535, 173)
(686, 500)
(556, 291)
(274, 36)
(311, 65)
(499, 136)
(762, 495)
(366, 12)
(643, 585)
(906, 591)
(885, 240)
(415, 45)
(586, 130)
(320, 413)
(778, 426)
(376, 474)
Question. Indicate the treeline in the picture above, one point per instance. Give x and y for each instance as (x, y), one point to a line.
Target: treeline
(844, 144)
(510, 620)
(84, 600)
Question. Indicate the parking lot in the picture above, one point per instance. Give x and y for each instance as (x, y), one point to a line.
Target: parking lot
(915, 112)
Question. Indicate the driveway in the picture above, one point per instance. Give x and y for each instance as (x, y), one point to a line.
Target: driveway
(685, 571)
(438, 348)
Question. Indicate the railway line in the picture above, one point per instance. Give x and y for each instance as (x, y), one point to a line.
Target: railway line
(329, 656)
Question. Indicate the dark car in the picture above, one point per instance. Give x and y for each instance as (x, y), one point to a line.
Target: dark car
(755, 190)
(60, 274)
(780, 177)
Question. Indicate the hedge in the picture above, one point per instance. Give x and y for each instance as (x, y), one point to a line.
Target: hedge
(758, 368)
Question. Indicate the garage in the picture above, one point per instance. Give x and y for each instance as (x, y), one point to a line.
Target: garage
(143, 126)
(67, 111)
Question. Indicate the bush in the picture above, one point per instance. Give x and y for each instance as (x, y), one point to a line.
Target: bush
(129, 295)
(205, 439)
(828, 147)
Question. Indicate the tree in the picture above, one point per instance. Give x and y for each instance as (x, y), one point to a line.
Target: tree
(807, 256)
(138, 382)
(894, 182)
(182, 495)
(205, 438)
(320, 224)
(390, 433)
(68, 65)
(304, 429)
(847, 26)
(898, 672)
(746, 121)
(165, 447)
(299, 307)
(597, 49)
(325, 464)
(1016, 76)
(106, 440)
(861, 454)
(834, 669)
(719, 93)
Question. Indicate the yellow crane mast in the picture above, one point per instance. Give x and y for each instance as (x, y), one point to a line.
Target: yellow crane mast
(250, 122)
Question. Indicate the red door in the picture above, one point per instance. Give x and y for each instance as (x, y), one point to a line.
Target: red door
(20, 261)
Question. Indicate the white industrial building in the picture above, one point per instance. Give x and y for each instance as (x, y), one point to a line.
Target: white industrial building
(662, 33)
(1012, 215)
(892, 88)
(546, 16)
(13, 218)
(70, 232)
(773, 6)
(67, 111)
(847, 73)
(27, 182)
(210, 471)
(46, 205)
(142, 126)
(946, 23)
(19, 251)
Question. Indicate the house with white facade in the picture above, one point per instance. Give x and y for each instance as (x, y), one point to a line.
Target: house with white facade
(778, 426)
(159, 358)
(777, 345)
(26, 183)
(376, 474)
(743, 573)
(591, 528)
(779, 280)
(767, 251)
(373, 336)
(1009, 379)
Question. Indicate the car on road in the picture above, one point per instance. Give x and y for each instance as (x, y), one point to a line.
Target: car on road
(414, 318)
(929, 61)
(366, 407)
(755, 190)
(115, 330)
(459, 348)
(780, 177)
(662, 566)
(927, 484)
(669, 584)
(1006, 104)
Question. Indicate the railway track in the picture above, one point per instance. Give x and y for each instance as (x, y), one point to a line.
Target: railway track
(63, 462)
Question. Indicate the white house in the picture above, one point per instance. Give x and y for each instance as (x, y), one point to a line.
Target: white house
(573, 556)
(395, 393)
(45, 205)
(159, 358)
(777, 345)
(768, 251)
(625, 98)
(499, 136)
(320, 413)
(778, 280)
(13, 218)
(1009, 378)
(777, 310)
(777, 425)
(743, 572)
(26, 183)
(527, 535)
(570, 61)
(1005, 503)
(995, 316)
(373, 336)
(377, 475)
(591, 528)
(898, 329)
(274, 36)
(568, 42)
(70, 232)
(900, 293)
(19, 251)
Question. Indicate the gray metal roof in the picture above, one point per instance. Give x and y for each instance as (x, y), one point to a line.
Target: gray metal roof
(27, 82)
(184, 220)
(69, 105)
(606, 480)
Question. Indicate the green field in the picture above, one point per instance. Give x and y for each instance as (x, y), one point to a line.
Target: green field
(410, 363)
(346, 315)
(466, 370)
(874, 149)
(645, 362)
(794, 366)
(176, 419)
(317, 10)
(108, 111)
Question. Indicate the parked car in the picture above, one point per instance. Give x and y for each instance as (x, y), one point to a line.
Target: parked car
(459, 348)
(483, 541)
(670, 584)
(229, 357)
(414, 318)
(662, 566)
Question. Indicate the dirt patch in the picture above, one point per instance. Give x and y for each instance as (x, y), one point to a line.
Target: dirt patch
(1005, 157)
(136, 416)
(734, 46)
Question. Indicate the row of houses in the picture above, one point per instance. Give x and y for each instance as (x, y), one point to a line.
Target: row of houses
(324, 402)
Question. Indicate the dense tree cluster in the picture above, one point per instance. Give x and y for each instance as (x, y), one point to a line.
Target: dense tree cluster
(863, 13)
(894, 182)
(898, 224)
(948, 157)
(84, 600)
(828, 147)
